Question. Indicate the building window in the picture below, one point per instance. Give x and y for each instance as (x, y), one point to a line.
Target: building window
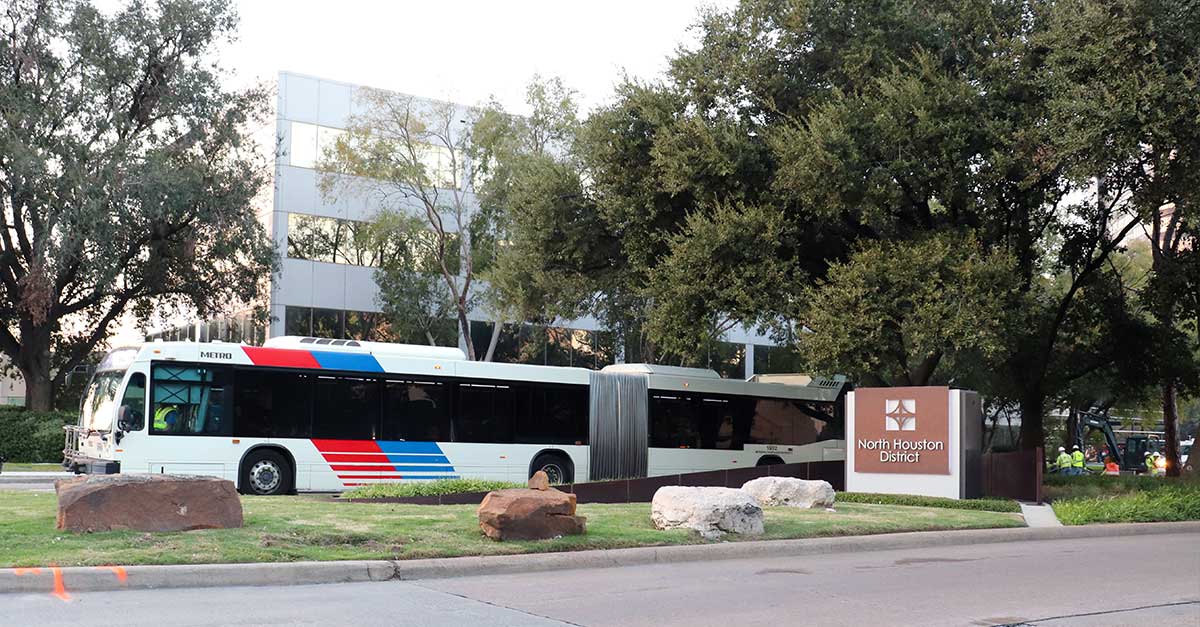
(352, 242)
(302, 151)
(776, 360)
(547, 346)
(297, 321)
(327, 323)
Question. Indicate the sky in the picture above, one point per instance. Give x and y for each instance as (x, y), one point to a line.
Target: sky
(465, 51)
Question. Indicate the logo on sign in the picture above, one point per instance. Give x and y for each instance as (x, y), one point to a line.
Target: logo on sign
(900, 415)
(215, 355)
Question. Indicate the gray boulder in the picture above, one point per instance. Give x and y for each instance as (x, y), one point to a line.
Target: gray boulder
(712, 512)
(790, 492)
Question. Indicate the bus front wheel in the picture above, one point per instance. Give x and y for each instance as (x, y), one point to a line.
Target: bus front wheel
(266, 473)
(557, 468)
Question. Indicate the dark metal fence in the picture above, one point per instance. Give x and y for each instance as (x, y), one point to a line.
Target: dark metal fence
(642, 490)
(1015, 475)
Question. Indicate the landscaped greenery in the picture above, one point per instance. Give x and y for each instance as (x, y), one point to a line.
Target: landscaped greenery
(1102, 499)
(32, 436)
(282, 529)
(427, 488)
(987, 505)
(10, 467)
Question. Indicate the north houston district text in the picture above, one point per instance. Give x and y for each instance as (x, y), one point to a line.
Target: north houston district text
(897, 450)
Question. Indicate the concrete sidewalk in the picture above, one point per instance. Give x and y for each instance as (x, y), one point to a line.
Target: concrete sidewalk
(23, 476)
(1039, 515)
(98, 578)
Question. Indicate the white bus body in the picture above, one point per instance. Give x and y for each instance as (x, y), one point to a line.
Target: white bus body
(189, 408)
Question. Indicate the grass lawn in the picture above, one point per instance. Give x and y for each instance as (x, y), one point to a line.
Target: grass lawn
(281, 529)
(11, 467)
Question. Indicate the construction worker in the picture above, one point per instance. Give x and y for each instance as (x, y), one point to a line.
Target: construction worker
(1077, 463)
(1155, 458)
(164, 417)
(1149, 462)
(1063, 463)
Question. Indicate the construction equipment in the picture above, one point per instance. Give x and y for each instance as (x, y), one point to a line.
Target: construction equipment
(1131, 457)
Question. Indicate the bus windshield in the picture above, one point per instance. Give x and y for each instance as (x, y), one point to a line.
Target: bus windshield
(98, 404)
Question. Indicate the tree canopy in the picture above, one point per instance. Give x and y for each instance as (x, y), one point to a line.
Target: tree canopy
(803, 151)
(127, 176)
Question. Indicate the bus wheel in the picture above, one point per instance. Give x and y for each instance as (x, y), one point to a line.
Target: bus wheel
(557, 468)
(265, 473)
(769, 460)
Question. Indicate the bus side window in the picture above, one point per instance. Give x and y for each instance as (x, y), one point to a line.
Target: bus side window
(189, 400)
(415, 411)
(132, 412)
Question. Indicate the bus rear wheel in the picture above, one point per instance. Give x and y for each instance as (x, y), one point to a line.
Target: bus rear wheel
(557, 468)
(265, 473)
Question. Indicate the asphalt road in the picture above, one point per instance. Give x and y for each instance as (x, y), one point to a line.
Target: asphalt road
(1147, 580)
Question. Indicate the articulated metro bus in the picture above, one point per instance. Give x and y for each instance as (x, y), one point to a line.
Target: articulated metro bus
(304, 413)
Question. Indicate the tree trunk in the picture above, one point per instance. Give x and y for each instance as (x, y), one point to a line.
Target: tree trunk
(1072, 428)
(1033, 433)
(497, 327)
(1170, 426)
(39, 391)
(465, 325)
(34, 364)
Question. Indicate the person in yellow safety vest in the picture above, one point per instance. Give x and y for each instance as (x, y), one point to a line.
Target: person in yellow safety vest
(1149, 462)
(1076, 461)
(1155, 469)
(1063, 463)
(164, 417)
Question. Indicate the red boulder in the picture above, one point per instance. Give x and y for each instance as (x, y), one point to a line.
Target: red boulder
(147, 503)
(527, 514)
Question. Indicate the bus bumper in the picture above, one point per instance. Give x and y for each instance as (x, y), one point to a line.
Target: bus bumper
(92, 466)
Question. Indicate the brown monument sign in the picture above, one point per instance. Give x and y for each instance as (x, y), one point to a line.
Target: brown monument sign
(902, 430)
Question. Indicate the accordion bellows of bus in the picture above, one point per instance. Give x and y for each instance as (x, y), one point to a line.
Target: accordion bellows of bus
(304, 413)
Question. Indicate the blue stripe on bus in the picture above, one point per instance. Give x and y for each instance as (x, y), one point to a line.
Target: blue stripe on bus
(347, 361)
(393, 446)
(415, 478)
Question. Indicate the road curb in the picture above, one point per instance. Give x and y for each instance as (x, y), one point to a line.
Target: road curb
(63, 581)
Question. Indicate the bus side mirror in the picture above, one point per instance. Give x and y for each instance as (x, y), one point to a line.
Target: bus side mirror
(127, 420)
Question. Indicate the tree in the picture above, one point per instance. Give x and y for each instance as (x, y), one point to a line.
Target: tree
(412, 155)
(1126, 73)
(911, 313)
(412, 294)
(127, 176)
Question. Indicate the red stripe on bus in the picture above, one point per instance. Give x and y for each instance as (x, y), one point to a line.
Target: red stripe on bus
(281, 357)
(346, 446)
(336, 467)
(352, 457)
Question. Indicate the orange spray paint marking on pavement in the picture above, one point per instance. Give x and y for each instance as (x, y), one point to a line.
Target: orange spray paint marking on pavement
(60, 590)
(27, 571)
(119, 571)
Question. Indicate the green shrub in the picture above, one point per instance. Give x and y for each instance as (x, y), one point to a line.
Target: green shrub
(987, 505)
(1165, 504)
(30, 437)
(1058, 488)
(427, 488)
